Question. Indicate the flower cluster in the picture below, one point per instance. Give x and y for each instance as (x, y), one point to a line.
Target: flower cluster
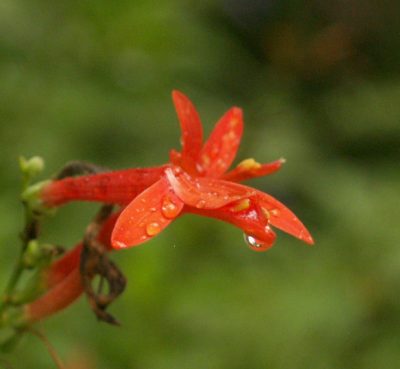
(195, 180)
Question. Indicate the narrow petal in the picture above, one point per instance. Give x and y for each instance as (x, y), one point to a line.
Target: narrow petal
(247, 215)
(221, 147)
(249, 169)
(208, 193)
(146, 216)
(116, 187)
(192, 130)
(281, 217)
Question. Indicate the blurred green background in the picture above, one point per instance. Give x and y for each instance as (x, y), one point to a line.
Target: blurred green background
(319, 84)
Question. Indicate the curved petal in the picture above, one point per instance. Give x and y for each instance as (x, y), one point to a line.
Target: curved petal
(208, 193)
(146, 216)
(249, 169)
(221, 147)
(192, 130)
(247, 215)
(281, 217)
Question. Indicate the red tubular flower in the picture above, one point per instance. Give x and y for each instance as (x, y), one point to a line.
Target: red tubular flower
(195, 181)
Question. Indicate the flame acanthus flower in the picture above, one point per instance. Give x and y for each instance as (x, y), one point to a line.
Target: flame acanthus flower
(196, 180)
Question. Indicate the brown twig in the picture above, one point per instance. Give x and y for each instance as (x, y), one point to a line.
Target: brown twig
(94, 262)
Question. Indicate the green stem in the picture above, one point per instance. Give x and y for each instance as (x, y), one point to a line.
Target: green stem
(12, 282)
(29, 233)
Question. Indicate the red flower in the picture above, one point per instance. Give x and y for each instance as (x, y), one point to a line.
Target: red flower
(62, 280)
(192, 184)
(195, 181)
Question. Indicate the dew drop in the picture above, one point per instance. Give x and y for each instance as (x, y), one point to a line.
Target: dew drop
(201, 204)
(251, 241)
(120, 244)
(274, 212)
(169, 209)
(255, 244)
(152, 229)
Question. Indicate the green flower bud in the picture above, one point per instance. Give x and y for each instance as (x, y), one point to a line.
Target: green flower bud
(31, 167)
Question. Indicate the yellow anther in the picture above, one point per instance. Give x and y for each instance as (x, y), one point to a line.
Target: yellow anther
(206, 160)
(241, 205)
(266, 213)
(249, 164)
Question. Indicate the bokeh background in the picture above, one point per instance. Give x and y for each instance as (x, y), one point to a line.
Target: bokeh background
(319, 84)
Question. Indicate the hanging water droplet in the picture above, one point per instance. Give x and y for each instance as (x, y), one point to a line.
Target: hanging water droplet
(169, 209)
(255, 244)
(251, 241)
(153, 228)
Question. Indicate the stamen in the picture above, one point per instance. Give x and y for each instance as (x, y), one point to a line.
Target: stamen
(249, 164)
(241, 205)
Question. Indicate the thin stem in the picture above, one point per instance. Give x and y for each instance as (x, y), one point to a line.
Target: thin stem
(12, 282)
(51, 350)
(29, 233)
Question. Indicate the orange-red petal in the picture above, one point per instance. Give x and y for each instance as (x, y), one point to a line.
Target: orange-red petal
(281, 217)
(249, 168)
(247, 215)
(221, 147)
(146, 216)
(192, 130)
(207, 193)
(119, 186)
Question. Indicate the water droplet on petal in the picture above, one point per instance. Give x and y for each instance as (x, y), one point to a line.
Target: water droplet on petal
(266, 213)
(201, 204)
(274, 212)
(120, 245)
(255, 244)
(169, 209)
(153, 228)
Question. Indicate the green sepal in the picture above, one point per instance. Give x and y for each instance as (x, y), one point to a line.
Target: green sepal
(34, 287)
(32, 199)
(38, 255)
